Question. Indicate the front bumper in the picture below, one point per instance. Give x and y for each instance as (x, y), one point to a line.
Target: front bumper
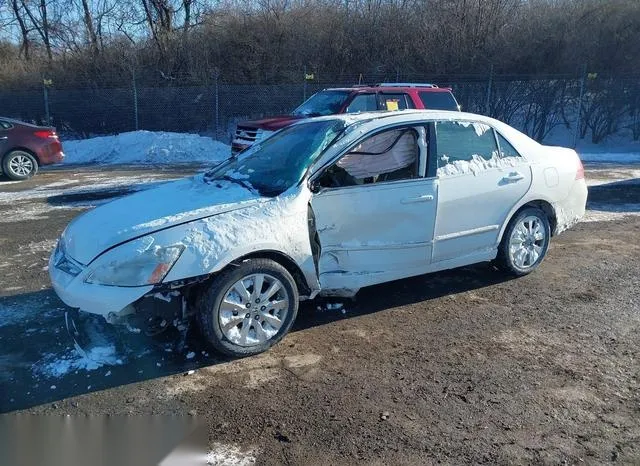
(107, 301)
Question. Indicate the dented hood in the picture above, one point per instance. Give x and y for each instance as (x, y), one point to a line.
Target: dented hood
(142, 213)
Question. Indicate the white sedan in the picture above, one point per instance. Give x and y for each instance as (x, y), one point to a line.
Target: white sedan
(326, 206)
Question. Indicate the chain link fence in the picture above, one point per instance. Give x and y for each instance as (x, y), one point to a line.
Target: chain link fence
(589, 107)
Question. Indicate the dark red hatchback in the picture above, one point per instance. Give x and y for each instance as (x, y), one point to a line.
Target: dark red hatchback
(25, 147)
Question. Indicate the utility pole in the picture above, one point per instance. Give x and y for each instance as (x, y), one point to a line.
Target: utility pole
(576, 131)
(135, 98)
(489, 86)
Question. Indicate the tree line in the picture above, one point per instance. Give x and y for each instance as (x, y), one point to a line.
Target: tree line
(103, 42)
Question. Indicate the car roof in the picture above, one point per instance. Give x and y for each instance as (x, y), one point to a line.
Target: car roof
(372, 120)
(366, 122)
(409, 115)
(13, 121)
(423, 88)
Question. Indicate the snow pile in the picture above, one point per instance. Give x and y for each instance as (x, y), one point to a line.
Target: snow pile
(146, 147)
(610, 213)
(56, 365)
(475, 165)
(230, 455)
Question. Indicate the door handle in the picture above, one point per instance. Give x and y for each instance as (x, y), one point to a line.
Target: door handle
(513, 177)
(423, 198)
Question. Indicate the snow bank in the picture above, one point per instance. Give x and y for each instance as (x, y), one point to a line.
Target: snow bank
(610, 157)
(146, 147)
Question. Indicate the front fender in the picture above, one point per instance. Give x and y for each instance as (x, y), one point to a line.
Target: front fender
(211, 244)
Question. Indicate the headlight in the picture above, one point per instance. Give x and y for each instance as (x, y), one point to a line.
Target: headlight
(138, 263)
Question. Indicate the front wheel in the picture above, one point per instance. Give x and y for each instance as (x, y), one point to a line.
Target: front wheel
(19, 165)
(525, 242)
(249, 308)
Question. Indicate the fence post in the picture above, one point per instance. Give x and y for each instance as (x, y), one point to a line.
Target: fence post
(489, 86)
(576, 131)
(304, 85)
(135, 98)
(45, 91)
(217, 103)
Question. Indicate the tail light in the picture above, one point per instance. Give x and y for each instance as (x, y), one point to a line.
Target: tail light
(580, 172)
(45, 134)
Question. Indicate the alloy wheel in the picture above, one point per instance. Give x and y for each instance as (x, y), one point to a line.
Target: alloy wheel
(21, 165)
(253, 309)
(527, 242)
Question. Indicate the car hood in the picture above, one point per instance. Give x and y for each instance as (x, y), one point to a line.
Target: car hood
(144, 212)
(272, 123)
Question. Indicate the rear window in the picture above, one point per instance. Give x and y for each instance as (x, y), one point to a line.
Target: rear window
(438, 100)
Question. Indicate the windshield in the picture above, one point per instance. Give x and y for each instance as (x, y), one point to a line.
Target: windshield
(279, 162)
(323, 103)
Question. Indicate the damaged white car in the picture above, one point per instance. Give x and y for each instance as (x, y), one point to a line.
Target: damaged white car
(326, 206)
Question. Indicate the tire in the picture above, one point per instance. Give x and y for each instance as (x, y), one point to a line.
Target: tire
(232, 319)
(522, 249)
(19, 165)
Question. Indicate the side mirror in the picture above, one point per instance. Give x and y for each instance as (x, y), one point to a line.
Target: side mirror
(314, 186)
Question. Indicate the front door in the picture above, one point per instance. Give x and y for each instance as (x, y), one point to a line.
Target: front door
(480, 183)
(375, 212)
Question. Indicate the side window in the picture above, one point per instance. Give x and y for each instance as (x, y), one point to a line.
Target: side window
(388, 156)
(506, 149)
(394, 102)
(438, 100)
(363, 103)
(464, 147)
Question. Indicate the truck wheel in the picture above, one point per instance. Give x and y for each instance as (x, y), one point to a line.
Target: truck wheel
(249, 308)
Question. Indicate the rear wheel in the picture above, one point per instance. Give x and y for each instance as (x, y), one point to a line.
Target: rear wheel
(248, 308)
(525, 242)
(19, 165)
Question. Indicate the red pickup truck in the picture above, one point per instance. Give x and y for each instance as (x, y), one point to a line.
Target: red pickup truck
(383, 96)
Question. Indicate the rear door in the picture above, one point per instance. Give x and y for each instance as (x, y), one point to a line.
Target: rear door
(478, 188)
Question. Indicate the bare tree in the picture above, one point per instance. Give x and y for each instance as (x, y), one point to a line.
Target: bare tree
(88, 24)
(24, 30)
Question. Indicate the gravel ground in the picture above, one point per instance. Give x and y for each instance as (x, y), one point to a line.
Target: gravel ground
(456, 367)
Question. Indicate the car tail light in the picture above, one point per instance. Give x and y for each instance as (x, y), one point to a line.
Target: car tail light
(45, 134)
(580, 172)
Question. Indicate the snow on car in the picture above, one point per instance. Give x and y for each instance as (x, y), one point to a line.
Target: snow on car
(323, 207)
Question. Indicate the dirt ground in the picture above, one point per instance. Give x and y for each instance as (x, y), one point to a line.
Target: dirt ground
(463, 366)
